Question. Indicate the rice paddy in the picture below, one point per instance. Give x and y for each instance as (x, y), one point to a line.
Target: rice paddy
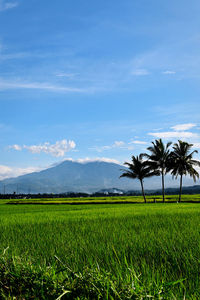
(107, 251)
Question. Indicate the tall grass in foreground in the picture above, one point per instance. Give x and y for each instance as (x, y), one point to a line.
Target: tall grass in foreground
(23, 280)
(107, 251)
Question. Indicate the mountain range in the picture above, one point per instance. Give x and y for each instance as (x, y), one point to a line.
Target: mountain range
(72, 176)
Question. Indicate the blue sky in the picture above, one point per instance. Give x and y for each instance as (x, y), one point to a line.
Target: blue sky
(87, 79)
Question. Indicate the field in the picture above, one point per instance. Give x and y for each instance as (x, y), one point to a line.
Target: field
(107, 251)
(105, 200)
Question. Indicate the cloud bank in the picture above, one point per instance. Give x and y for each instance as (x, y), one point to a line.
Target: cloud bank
(8, 172)
(8, 85)
(88, 159)
(115, 145)
(182, 127)
(179, 132)
(58, 149)
(174, 134)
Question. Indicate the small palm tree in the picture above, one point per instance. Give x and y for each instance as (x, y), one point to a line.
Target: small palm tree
(139, 169)
(182, 162)
(158, 160)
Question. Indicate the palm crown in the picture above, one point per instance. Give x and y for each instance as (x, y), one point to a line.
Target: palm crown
(139, 169)
(182, 160)
(158, 159)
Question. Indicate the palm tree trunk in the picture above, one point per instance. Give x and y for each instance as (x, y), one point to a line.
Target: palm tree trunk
(180, 192)
(163, 187)
(143, 191)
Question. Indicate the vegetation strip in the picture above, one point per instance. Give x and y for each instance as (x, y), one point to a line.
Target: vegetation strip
(100, 251)
(74, 203)
(162, 160)
(105, 200)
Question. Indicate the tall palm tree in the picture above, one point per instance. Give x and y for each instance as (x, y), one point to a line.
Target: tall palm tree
(158, 159)
(139, 169)
(182, 162)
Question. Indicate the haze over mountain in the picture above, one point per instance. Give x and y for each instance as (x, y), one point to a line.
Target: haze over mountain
(71, 176)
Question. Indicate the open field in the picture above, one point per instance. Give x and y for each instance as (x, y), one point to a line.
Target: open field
(104, 200)
(121, 251)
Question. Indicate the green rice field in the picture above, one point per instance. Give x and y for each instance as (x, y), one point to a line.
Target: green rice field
(104, 200)
(107, 251)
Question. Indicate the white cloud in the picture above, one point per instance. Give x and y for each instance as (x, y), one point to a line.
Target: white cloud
(196, 145)
(140, 72)
(157, 129)
(168, 72)
(88, 159)
(15, 147)
(58, 149)
(182, 127)
(138, 142)
(116, 144)
(68, 75)
(5, 5)
(6, 85)
(120, 145)
(7, 172)
(174, 134)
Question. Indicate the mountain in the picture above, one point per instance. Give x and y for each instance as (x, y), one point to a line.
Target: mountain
(70, 176)
(90, 177)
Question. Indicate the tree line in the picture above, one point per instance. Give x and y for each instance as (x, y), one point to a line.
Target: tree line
(160, 160)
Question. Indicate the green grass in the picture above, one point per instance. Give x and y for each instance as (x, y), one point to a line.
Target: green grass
(104, 200)
(121, 251)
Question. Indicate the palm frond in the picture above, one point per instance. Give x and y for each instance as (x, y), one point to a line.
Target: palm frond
(182, 161)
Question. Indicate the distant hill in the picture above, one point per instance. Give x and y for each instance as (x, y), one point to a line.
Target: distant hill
(70, 176)
(190, 190)
(90, 177)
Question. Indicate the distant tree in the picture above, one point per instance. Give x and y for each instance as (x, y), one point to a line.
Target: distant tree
(182, 162)
(139, 169)
(158, 160)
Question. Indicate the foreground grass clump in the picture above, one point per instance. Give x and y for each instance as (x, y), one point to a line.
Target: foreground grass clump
(23, 280)
(121, 251)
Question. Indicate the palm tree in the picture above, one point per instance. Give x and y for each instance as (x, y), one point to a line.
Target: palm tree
(182, 162)
(159, 159)
(139, 169)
